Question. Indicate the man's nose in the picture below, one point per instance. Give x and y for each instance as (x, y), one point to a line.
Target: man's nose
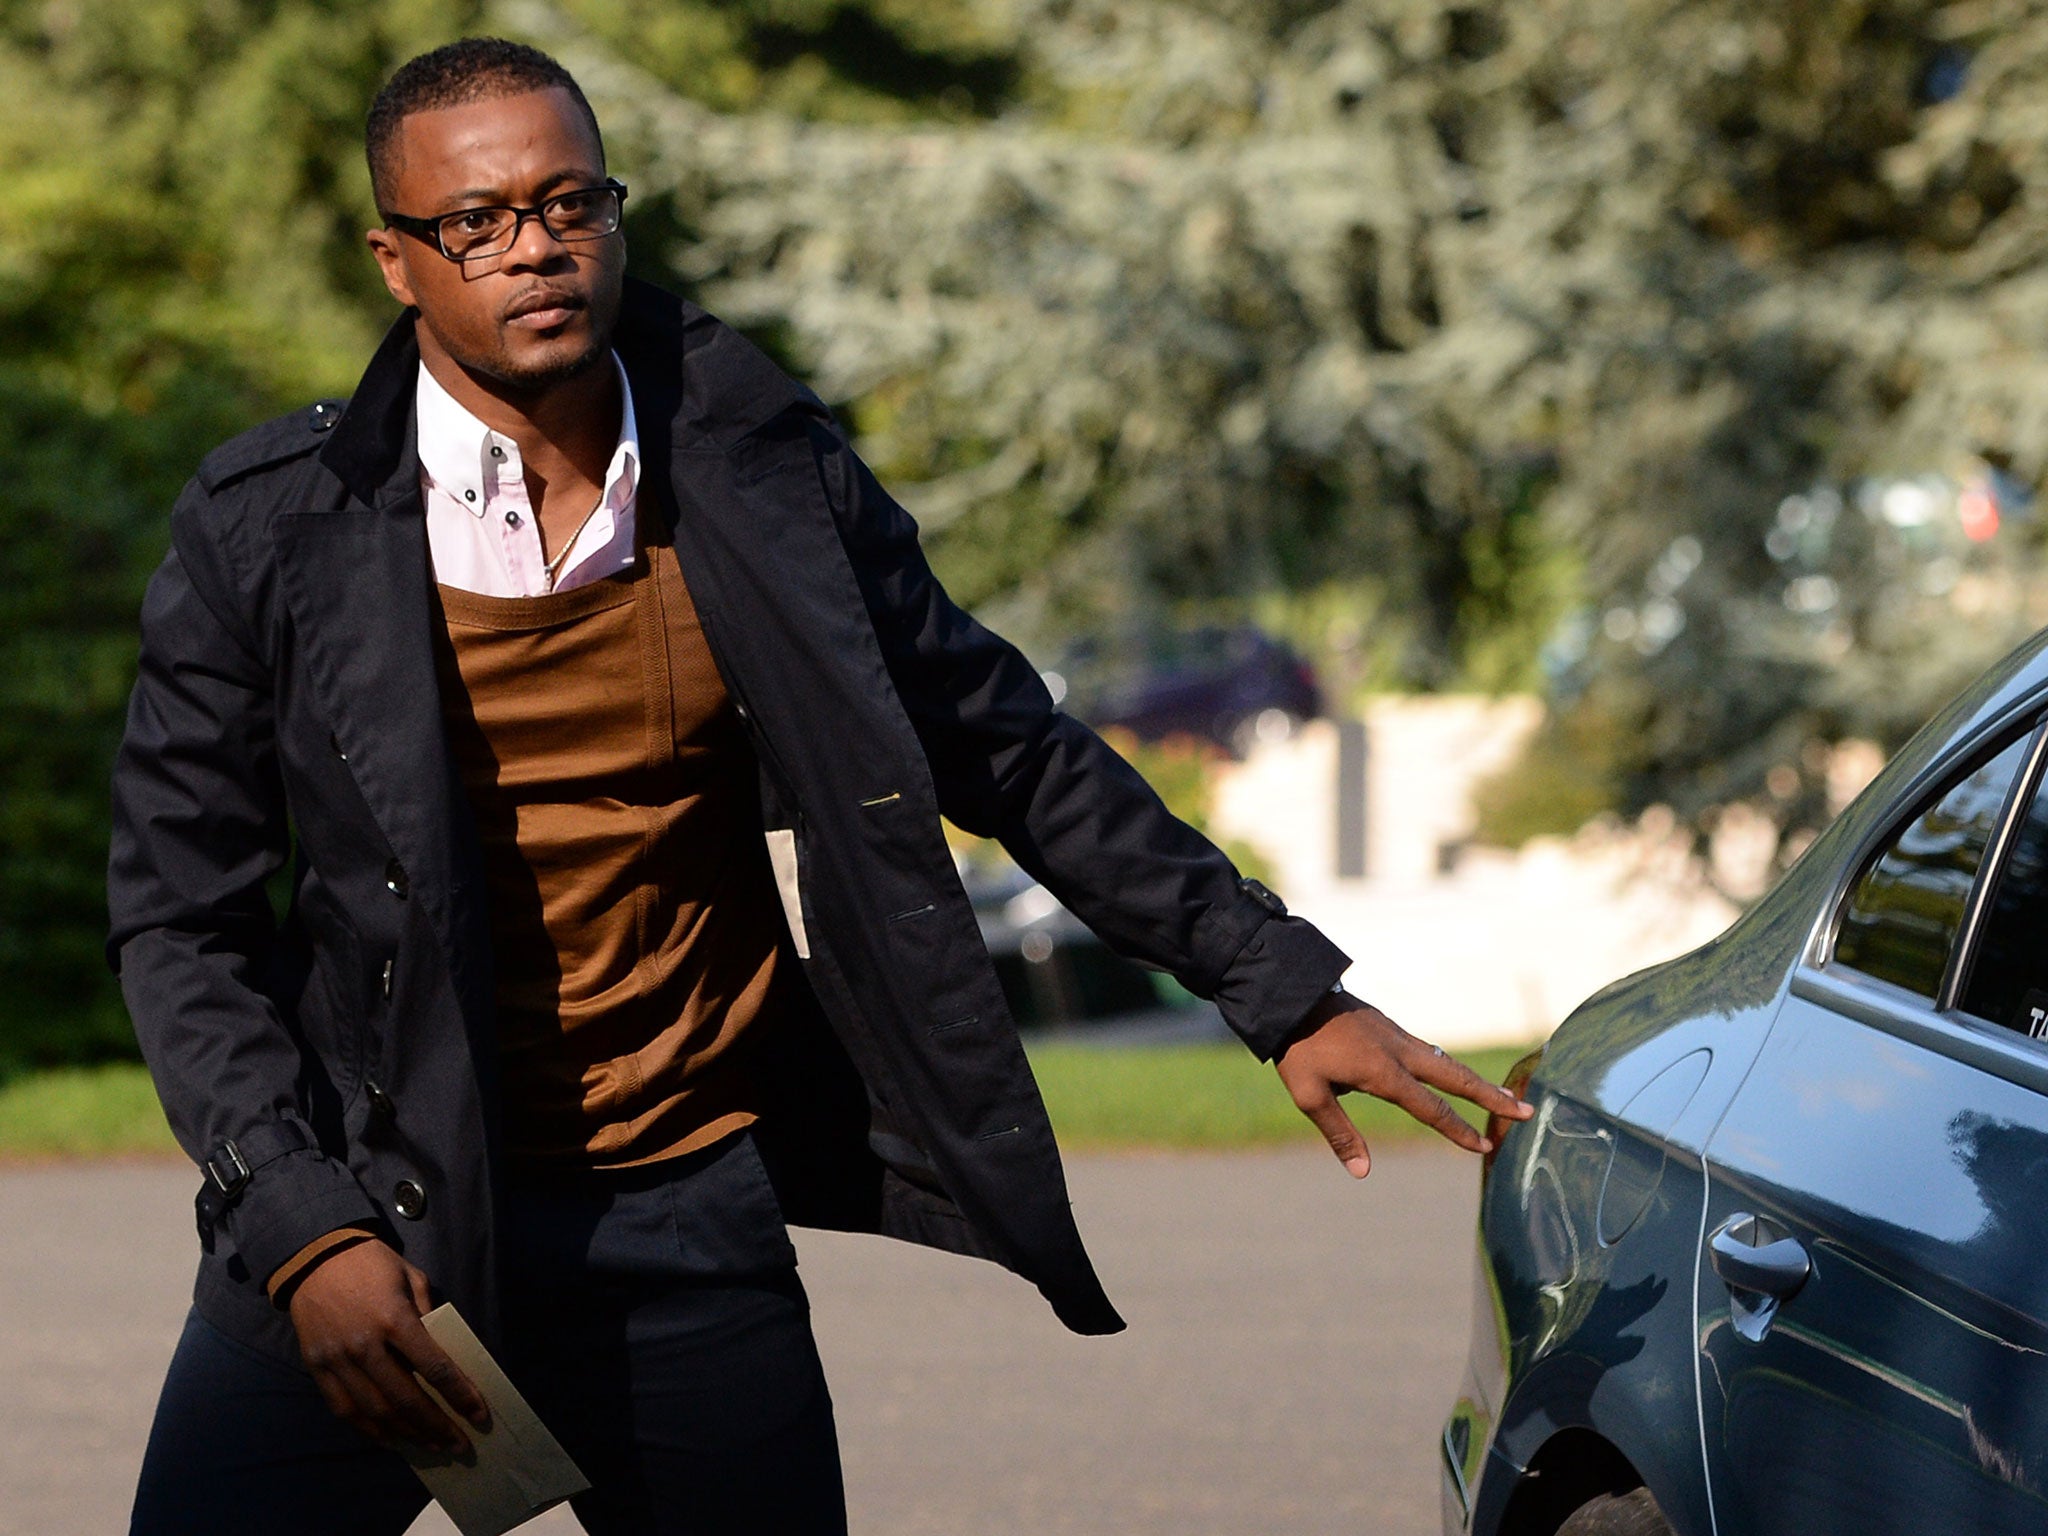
(533, 245)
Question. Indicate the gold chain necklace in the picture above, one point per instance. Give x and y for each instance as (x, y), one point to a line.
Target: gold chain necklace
(553, 567)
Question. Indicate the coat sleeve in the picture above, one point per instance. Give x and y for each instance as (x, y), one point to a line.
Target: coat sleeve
(1008, 764)
(198, 827)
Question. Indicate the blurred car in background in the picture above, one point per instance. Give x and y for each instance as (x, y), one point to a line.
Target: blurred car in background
(1056, 974)
(1769, 1256)
(1234, 686)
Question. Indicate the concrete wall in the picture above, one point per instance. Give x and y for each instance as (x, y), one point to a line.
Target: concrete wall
(1465, 946)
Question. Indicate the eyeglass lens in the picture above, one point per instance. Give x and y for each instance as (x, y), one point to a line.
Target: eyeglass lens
(585, 214)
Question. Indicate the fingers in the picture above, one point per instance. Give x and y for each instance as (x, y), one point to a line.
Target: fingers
(411, 1414)
(370, 1388)
(1435, 1066)
(361, 1338)
(1362, 1050)
(444, 1375)
(342, 1402)
(1328, 1117)
(1434, 1111)
(432, 1362)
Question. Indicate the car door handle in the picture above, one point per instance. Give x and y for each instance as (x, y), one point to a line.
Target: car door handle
(1776, 1268)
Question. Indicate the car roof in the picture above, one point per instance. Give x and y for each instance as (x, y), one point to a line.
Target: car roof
(2025, 668)
(2016, 680)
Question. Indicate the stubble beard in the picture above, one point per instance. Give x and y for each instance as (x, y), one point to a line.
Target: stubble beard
(496, 366)
(534, 379)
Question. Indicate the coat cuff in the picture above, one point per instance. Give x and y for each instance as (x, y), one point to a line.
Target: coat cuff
(289, 1202)
(1283, 970)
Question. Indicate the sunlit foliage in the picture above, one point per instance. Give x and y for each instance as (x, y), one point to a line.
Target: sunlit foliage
(1682, 358)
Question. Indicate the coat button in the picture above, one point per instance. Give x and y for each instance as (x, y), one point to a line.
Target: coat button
(409, 1200)
(380, 1105)
(325, 414)
(394, 879)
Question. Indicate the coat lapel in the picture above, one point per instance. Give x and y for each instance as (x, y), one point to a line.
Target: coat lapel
(358, 582)
(753, 536)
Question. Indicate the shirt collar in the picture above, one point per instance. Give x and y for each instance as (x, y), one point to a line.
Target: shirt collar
(455, 447)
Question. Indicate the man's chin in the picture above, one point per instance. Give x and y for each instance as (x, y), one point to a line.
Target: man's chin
(553, 361)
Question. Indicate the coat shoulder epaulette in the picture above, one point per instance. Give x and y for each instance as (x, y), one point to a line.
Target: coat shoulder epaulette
(278, 441)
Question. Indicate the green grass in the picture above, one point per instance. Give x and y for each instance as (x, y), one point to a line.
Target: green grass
(104, 1111)
(1183, 1096)
(1199, 1096)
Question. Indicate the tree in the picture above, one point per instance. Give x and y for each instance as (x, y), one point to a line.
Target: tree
(1678, 356)
(182, 253)
(1607, 346)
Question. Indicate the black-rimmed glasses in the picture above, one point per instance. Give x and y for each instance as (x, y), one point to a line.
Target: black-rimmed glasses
(471, 234)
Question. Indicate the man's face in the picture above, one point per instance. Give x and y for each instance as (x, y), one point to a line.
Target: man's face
(543, 311)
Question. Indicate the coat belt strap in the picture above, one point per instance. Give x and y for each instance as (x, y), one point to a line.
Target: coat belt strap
(230, 1166)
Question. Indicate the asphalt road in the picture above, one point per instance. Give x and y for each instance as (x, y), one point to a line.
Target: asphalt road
(1294, 1343)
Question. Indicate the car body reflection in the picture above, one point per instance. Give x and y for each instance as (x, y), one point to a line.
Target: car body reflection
(1769, 1251)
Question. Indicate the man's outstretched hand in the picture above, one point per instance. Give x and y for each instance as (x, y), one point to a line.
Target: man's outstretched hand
(360, 1334)
(1347, 1045)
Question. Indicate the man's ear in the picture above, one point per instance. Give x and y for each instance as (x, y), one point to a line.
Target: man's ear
(391, 262)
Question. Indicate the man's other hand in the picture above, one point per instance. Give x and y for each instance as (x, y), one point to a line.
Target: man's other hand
(1350, 1046)
(358, 1318)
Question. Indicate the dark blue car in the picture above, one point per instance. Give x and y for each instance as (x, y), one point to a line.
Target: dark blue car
(1234, 687)
(1772, 1255)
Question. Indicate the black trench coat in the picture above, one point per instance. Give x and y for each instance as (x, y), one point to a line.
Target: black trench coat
(286, 711)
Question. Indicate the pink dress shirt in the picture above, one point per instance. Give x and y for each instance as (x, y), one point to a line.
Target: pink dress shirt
(481, 529)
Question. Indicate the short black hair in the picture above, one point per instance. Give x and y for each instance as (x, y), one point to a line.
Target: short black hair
(453, 75)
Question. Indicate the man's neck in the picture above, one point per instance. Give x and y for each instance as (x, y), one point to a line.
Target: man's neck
(566, 432)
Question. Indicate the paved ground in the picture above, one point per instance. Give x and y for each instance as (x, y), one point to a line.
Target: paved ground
(1294, 1342)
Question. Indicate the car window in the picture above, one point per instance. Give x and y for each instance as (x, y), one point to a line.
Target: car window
(2008, 981)
(1904, 914)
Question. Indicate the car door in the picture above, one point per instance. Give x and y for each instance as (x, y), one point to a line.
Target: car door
(1872, 1293)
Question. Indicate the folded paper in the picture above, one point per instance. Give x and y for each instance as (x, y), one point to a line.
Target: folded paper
(515, 1469)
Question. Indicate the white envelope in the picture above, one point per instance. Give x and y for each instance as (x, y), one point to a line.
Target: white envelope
(516, 1469)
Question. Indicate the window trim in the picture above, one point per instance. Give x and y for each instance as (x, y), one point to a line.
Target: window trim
(1908, 1016)
(1962, 959)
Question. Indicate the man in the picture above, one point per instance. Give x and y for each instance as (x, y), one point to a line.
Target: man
(606, 709)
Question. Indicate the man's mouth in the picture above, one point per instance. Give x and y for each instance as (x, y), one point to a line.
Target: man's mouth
(543, 309)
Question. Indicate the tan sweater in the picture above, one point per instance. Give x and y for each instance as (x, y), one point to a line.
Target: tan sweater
(636, 929)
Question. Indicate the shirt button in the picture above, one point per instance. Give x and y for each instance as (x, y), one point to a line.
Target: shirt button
(511, 519)
(409, 1200)
(497, 452)
(469, 495)
(394, 879)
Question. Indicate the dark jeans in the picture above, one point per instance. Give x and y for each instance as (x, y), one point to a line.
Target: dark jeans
(653, 1319)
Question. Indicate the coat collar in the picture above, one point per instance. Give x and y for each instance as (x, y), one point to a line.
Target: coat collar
(374, 445)
(696, 382)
